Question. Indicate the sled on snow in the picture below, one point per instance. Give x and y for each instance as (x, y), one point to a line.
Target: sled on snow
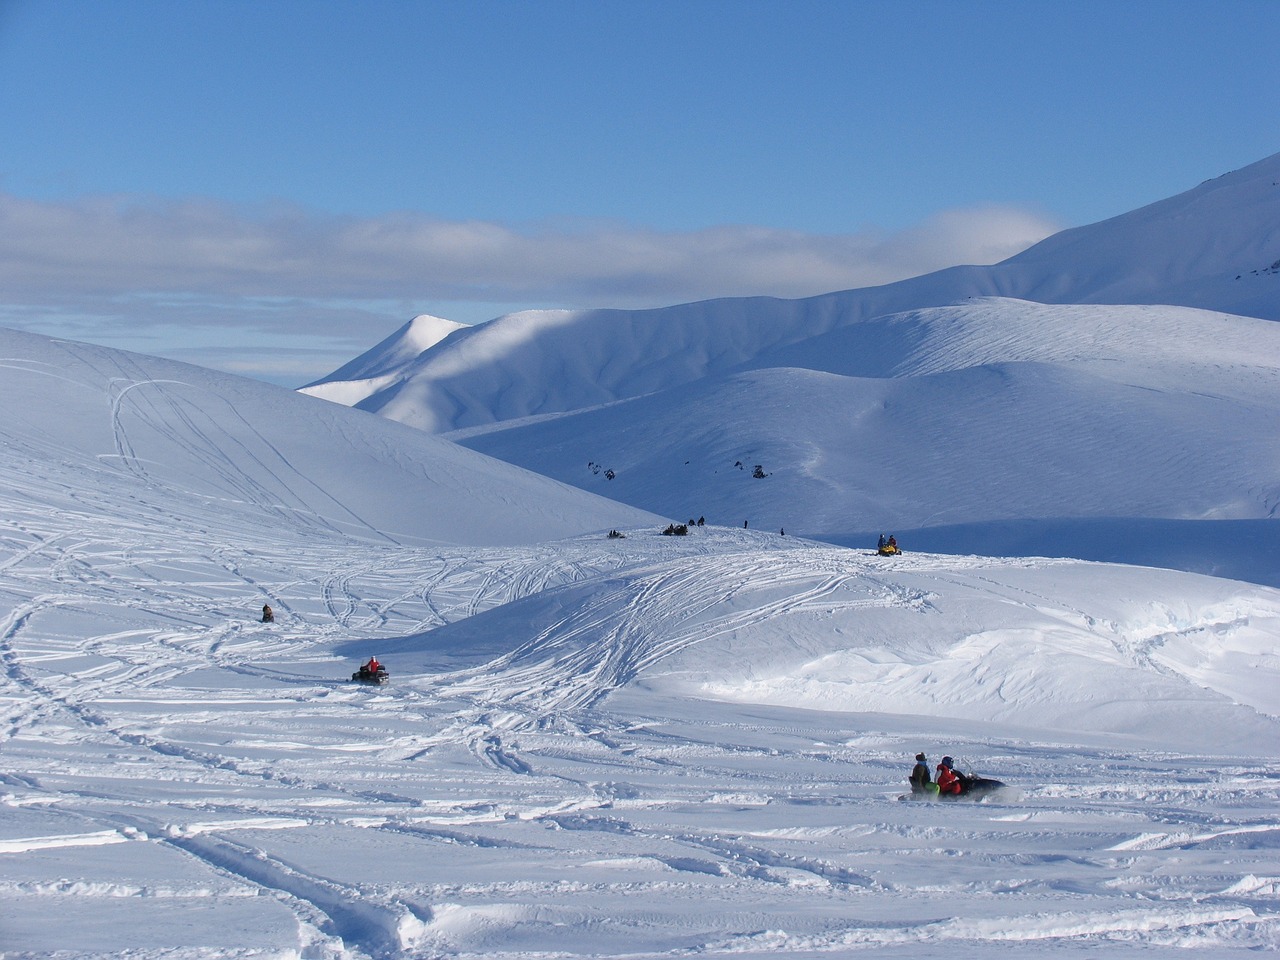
(889, 550)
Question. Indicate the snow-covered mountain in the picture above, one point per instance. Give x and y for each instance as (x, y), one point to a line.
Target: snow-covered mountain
(1086, 418)
(376, 369)
(1215, 247)
(591, 747)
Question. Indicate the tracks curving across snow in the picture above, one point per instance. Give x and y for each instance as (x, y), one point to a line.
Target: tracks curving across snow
(587, 750)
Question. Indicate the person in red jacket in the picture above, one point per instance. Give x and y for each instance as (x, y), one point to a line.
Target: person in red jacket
(948, 780)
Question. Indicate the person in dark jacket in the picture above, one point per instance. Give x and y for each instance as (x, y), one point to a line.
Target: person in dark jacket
(920, 775)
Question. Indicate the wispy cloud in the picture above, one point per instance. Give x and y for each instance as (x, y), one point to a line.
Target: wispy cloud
(150, 268)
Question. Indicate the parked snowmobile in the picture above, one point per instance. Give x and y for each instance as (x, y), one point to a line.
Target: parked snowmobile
(371, 672)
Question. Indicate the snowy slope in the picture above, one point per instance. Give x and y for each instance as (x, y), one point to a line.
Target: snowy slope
(999, 415)
(152, 438)
(1214, 247)
(646, 747)
(1086, 418)
(1057, 646)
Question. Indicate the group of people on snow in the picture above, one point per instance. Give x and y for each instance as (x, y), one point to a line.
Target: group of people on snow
(949, 780)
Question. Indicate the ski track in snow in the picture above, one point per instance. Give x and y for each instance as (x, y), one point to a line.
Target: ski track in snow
(514, 809)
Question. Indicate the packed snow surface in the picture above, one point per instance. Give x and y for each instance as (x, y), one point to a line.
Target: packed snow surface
(643, 746)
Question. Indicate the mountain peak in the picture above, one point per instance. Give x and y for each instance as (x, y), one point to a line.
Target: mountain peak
(383, 363)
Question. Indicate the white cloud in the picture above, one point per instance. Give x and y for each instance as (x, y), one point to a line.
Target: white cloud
(108, 247)
(120, 266)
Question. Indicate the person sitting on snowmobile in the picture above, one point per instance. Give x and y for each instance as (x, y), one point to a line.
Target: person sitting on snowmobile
(919, 778)
(880, 543)
(893, 542)
(371, 672)
(949, 782)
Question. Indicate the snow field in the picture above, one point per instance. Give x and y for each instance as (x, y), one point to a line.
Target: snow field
(500, 798)
(590, 748)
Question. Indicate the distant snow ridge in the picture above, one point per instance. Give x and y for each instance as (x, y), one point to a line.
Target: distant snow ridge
(1206, 248)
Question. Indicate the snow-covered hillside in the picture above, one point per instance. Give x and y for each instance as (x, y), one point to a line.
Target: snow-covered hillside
(997, 415)
(152, 439)
(591, 747)
(1087, 418)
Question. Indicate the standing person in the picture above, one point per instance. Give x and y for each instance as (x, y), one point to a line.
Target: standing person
(919, 778)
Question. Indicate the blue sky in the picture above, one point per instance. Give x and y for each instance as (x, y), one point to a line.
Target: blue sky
(271, 187)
